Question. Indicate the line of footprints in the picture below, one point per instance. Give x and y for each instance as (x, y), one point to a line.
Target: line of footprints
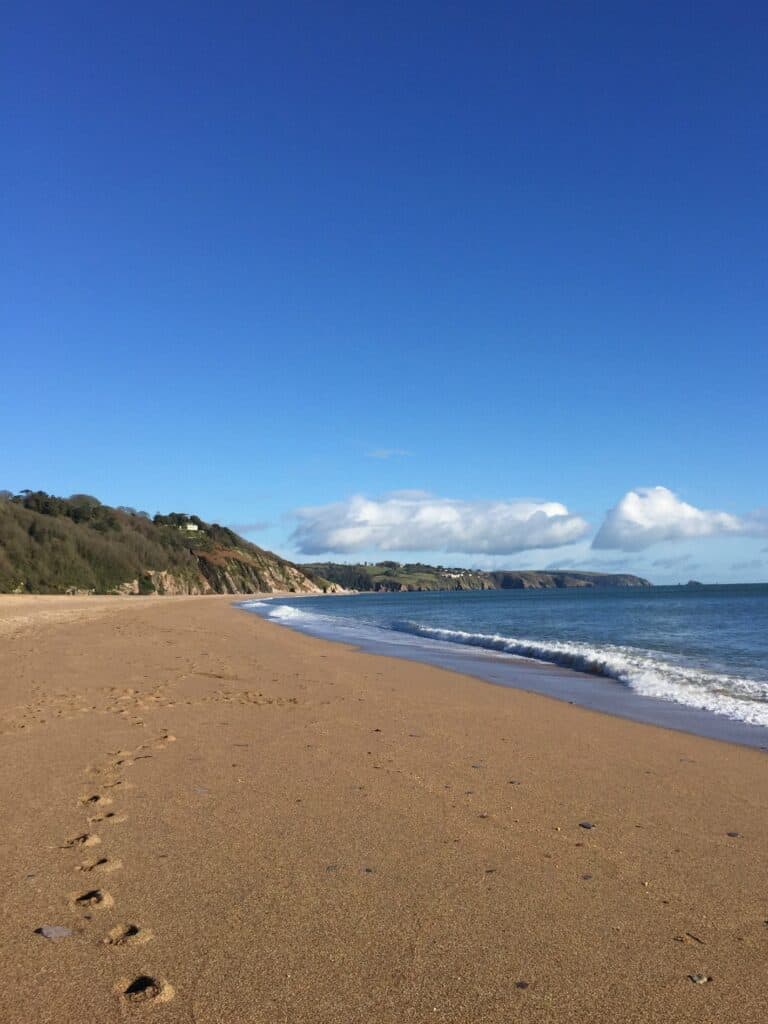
(91, 899)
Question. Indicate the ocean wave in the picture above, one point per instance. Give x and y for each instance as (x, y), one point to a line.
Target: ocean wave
(645, 672)
(286, 612)
(642, 671)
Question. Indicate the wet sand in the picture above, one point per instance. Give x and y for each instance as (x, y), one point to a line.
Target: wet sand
(238, 823)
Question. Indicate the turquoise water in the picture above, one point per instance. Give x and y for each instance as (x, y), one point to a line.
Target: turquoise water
(706, 649)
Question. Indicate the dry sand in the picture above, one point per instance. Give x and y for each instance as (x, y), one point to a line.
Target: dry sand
(271, 828)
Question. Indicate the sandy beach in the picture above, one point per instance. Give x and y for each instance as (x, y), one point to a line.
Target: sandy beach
(209, 818)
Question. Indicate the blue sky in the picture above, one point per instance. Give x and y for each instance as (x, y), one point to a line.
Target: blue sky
(520, 249)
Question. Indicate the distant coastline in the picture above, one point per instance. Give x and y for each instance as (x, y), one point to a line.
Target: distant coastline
(417, 576)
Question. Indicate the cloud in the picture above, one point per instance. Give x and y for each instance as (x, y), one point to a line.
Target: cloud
(674, 562)
(591, 564)
(417, 521)
(250, 527)
(388, 453)
(649, 515)
(754, 563)
(757, 522)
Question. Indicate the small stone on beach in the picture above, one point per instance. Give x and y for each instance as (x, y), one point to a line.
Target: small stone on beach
(699, 979)
(54, 932)
(586, 824)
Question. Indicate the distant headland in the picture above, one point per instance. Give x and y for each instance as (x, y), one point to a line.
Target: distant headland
(394, 576)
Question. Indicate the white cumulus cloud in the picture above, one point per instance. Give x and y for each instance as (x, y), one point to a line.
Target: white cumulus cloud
(417, 521)
(648, 515)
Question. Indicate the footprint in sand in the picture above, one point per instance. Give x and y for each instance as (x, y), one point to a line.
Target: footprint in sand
(145, 989)
(95, 800)
(101, 864)
(83, 839)
(128, 935)
(93, 899)
(110, 818)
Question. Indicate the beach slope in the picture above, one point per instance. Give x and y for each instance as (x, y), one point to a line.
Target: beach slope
(209, 818)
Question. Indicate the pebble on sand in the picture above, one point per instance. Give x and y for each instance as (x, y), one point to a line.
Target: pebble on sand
(54, 932)
(586, 824)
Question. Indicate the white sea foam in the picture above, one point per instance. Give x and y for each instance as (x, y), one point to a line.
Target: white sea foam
(643, 671)
(286, 612)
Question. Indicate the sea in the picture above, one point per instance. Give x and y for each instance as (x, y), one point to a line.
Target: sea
(688, 658)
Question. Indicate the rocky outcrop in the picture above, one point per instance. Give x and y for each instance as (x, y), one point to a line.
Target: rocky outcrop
(224, 573)
(233, 572)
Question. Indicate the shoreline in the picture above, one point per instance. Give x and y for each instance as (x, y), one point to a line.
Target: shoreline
(299, 831)
(588, 690)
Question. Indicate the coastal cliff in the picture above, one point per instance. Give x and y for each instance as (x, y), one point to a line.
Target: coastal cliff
(511, 580)
(394, 576)
(51, 545)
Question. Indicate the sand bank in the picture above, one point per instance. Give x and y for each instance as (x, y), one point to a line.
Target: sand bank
(238, 823)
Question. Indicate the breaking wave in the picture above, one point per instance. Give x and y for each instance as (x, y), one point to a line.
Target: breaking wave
(643, 671)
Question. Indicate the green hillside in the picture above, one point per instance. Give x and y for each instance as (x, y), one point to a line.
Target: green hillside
(53, 545)
(416, 576)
